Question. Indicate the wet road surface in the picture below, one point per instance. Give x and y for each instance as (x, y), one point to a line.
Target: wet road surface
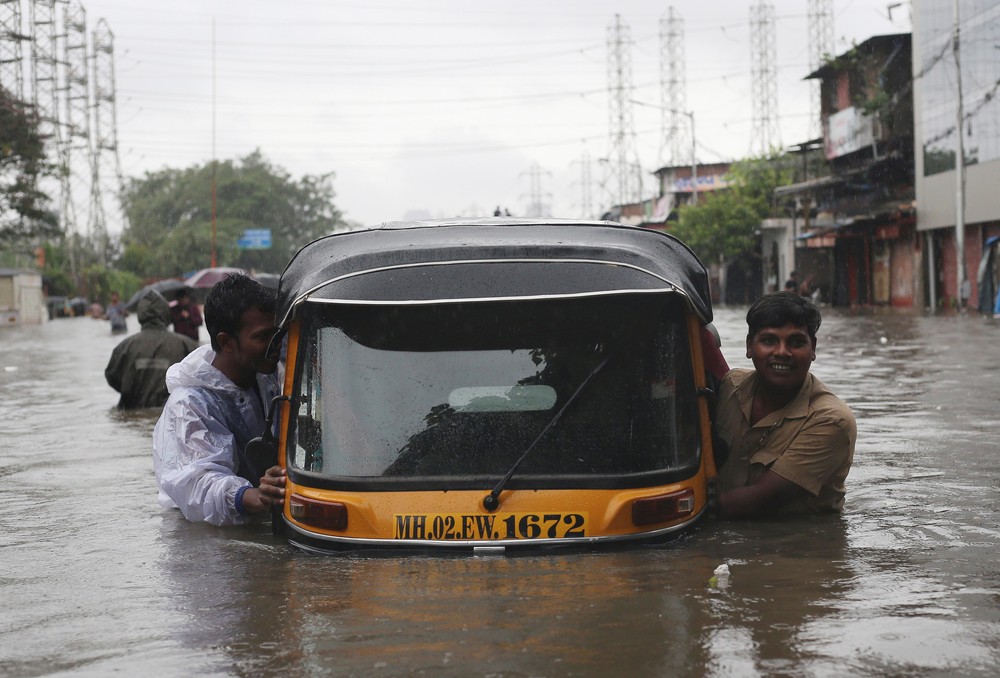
(95, 579)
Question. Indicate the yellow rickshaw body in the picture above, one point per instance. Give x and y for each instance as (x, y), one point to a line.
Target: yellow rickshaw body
(494, 385)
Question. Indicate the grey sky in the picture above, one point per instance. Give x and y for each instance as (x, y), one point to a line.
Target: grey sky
(442, 106)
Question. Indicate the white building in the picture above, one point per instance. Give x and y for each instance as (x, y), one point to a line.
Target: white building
(22, 301)
(935, 92)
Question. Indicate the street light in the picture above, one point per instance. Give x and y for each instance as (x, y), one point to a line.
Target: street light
(694, 161)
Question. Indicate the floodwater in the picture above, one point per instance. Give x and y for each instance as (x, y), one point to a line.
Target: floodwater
(95, 579)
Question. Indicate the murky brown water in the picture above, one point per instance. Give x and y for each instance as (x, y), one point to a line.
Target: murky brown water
(96, 579)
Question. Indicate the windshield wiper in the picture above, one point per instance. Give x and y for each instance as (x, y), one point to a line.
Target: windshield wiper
(491, 502)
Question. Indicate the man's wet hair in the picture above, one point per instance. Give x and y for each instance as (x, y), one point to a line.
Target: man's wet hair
(229, 299)
(777, 309)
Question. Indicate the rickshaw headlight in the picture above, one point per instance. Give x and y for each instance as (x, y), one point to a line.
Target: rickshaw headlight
(329, 515)
(663, 508)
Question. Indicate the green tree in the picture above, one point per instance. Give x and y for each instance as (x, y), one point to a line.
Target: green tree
(723, 224)
(100, 282)
(170, 216)
(56, 270)
(24, 211)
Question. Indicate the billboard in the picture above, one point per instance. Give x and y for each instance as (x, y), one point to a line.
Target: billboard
(848, 131)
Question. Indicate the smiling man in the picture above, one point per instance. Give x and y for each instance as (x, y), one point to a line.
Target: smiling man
(791, 440)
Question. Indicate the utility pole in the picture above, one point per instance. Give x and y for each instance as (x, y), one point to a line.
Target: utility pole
(963, 279)
(213, 144)
(98, 223)
(694, 162)
(764, 135)
(694, 150)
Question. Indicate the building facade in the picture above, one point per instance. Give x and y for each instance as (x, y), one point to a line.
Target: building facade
(854, 226)
(680, 185)
(966, 196)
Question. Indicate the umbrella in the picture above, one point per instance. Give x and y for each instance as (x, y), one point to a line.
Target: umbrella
(169, 286)
(207, 277)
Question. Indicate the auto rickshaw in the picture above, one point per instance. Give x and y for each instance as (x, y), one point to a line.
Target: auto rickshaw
(494, 384)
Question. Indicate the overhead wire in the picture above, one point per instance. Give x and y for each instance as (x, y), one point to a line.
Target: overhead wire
(243, 61)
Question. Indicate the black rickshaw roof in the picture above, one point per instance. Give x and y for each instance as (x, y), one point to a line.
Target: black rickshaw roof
(490, 259)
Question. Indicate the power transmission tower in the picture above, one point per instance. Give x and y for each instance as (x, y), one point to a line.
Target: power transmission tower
(622, 156)
(764, 135)
(820, 48)
(66, 102)
(45, 94)
(106, 175)
(673, 89)
(536, 205)
(45, 71)
(585, 205)
(76, 147)
(11, 55)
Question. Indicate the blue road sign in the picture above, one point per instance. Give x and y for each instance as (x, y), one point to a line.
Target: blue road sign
(255, 239)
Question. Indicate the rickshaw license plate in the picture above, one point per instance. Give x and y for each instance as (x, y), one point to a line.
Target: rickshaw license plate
(459, 526)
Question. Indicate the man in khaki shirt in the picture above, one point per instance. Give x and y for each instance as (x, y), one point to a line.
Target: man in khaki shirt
(791, 440)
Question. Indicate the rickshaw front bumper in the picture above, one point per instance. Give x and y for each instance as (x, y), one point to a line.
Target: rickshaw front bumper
(324, 521)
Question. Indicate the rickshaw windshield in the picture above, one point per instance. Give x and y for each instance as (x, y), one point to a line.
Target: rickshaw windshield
(462, 389)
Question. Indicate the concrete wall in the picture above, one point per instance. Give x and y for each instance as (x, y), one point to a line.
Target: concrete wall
(936, 196)
(936, 193)
(21, 299)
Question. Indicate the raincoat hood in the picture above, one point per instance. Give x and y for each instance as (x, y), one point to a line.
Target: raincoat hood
(197, 371)
(154, 311)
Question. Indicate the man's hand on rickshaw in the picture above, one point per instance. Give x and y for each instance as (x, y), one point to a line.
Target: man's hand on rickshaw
(270, 493)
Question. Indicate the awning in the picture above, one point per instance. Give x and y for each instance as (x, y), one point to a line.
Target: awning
(831, 228)
(808, 185)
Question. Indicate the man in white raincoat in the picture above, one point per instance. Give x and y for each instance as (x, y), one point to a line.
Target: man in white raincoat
(219, 396)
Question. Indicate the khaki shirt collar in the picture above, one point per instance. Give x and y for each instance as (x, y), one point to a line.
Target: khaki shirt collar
(796, 409)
